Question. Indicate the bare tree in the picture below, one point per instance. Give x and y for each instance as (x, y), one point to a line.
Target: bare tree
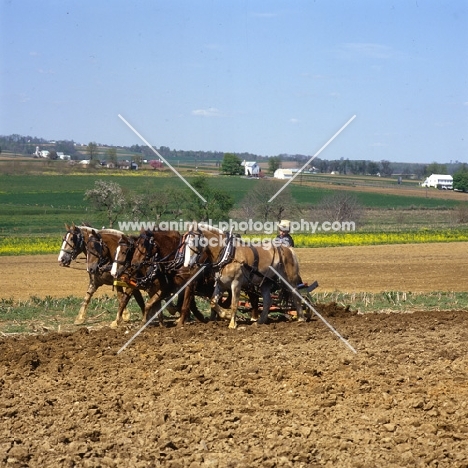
(340, 206)
(256, 203)
(92, 150)
(108, 197)
(151, 205)
(111, 155)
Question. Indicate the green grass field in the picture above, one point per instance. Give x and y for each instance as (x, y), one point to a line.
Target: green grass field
(38, 205)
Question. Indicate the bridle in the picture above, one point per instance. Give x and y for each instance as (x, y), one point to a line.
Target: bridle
(77, 244)
(195, 246)
(149, 250)
(98, 251)
(127, 261)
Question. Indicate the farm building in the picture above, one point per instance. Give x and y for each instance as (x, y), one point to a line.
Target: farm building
(251, 168)
(283, 173)
(442, 181)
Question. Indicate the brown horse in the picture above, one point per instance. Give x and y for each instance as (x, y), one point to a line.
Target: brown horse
(99, 260)
(246, 267)
(170, 276)
(153, 267)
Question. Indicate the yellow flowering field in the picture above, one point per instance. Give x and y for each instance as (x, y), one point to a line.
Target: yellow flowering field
(378, 238)
(51, 244)
(29, 245)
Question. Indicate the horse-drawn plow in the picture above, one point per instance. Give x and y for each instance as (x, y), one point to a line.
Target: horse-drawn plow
(237, 278)
(282, 306)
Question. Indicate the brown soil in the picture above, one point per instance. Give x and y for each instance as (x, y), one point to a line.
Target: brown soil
(278, 395)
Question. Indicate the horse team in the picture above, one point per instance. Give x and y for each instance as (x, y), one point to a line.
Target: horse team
(168, 265)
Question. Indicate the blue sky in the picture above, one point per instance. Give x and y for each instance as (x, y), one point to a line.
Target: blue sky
(265, 77)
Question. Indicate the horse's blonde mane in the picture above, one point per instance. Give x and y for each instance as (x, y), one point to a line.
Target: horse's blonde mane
(111, 231)
(209, 227)
(87, 228)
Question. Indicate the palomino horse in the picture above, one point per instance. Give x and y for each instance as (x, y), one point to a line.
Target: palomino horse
(151, 266)
(101, 247)
(246, 267)
(75, 242)
(157, 262)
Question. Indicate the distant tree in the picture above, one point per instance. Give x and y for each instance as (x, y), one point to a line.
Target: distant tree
(435, 168)
(274, 163)
(156, 164)
(256, 203)
(108, 197)
(53, 155)
(341, 206)
(138, 159)
(151, 204)
(111, 156)
(373, 168)
(359, 167)
(460, 179)
(217, 206)
(66, 147)
(92, 150)
(179, 199)
(385, 169)
(231, 164)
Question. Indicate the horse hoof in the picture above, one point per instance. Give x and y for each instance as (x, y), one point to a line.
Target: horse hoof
(79, 321)
(126, 316)
(114, 324)
(301, 319)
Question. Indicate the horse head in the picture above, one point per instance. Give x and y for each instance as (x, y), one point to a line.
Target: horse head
(97, 253)
(203, 244)
(123, 256)
(193, 245)
(146, 250)
(72, 245)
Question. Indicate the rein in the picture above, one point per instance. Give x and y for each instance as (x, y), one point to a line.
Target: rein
(157, 266)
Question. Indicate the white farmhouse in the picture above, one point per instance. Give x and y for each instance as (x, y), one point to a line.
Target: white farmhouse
(251, 168)
(442, 181)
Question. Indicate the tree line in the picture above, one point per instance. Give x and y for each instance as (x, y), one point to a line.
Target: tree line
(26, 145)
(118, 204)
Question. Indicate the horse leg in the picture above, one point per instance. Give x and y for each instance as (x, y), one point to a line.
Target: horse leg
(236, 289)
(81, 317)
(216, 309)
(153, 305)
(266, 295)
(299, 309)
(253, 298)
(175, 308)
(185, 309)
(122, 312)
(196, 311)
(138, 297)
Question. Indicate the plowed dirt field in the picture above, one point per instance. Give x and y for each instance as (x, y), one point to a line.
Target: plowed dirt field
(277, 395)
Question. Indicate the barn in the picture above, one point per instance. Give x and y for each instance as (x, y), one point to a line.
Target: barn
(283, 174)
(251, 168)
